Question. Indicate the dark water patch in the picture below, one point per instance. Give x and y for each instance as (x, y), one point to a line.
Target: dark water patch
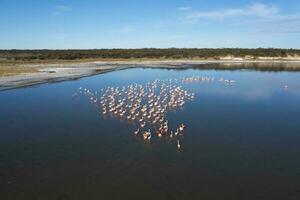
(241, 142)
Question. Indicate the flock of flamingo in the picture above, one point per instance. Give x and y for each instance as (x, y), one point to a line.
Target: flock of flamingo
(147, 106)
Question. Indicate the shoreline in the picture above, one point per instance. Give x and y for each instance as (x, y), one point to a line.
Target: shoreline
(48, 73)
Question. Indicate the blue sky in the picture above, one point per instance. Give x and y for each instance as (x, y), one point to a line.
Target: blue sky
(65, 24)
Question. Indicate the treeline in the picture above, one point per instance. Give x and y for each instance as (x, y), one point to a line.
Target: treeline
(151, 53)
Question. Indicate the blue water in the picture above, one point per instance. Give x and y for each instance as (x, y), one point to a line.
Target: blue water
(242, 141)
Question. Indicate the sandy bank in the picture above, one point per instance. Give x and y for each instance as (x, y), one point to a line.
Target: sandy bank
(53, 73)
(44, 73)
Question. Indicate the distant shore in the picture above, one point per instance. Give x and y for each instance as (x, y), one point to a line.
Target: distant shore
(14, 75)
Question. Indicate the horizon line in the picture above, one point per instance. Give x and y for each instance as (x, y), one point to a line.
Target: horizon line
(166, 48)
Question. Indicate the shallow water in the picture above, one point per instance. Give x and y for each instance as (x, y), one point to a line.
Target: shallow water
(242, 141)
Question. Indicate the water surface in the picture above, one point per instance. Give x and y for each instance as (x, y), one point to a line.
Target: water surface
(242, 141)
